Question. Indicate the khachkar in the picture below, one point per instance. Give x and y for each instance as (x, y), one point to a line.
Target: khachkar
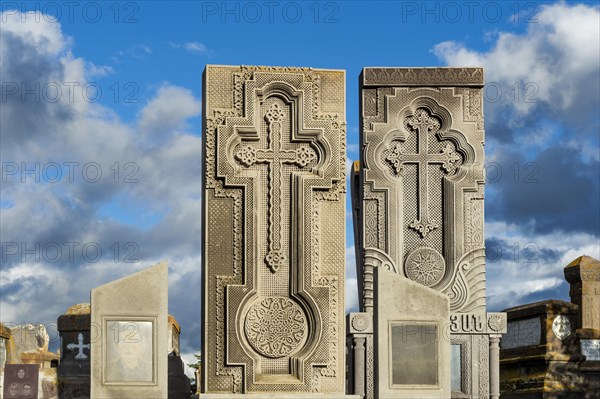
(418, 193)
(273, 231)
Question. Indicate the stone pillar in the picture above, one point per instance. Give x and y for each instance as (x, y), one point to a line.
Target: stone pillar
(359, 365)
(494, 366)
(583, 274)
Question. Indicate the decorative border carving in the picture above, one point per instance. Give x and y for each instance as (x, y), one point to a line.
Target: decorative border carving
(422, 77)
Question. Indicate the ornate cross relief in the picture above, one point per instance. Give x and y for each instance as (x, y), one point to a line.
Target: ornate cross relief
(425, 264)
(275, 156)
(425, 126)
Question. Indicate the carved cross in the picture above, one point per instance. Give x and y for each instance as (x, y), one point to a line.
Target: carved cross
(424, 125)
(80, 346)
(275, 156)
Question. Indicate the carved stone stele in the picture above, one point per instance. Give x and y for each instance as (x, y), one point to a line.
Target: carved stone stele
(418, 206)
(422, 180)
(273, 230)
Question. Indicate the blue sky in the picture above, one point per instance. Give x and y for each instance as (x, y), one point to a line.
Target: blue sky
(119, 92)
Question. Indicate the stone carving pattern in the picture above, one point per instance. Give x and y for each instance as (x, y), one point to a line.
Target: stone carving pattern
(213, 121)
(218, 118)
(484, 363)
(424, 76)
(425, 266)
(369, 370)
(474, 219)
(275, 326)
(466, 289)
(275, 157)
(360, 322)
(425, 126)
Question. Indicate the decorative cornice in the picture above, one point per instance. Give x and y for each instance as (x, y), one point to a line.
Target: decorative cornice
(465, 77)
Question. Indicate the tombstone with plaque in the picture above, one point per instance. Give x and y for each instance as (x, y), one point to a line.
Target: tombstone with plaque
(552, 347)
(129, 355)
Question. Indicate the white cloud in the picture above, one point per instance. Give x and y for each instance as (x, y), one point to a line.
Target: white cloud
(169, 109)
(159, 143)
(528, 263)
(192, 47)
(559, 56)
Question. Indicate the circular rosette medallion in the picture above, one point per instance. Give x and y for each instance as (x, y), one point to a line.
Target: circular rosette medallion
(425, 266)
(275, 326)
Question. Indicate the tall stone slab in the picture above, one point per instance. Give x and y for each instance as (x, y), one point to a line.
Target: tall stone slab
(74, 328)
(419, 188)
(130, 336)
(273, 231)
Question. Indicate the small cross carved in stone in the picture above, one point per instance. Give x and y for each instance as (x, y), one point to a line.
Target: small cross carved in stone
(80, 347)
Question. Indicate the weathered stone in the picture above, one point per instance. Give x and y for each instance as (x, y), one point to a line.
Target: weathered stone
(4, 338)
(546, 365)
(74, 328)
(418, 204)
(79, 309)
(174, 332)
(273, 231)
(129, 355)
(583, 274)
(29, 341)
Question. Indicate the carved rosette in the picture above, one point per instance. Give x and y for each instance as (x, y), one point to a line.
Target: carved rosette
(275, 327)
(425, 266)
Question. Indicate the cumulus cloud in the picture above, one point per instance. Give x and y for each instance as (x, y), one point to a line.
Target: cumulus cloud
(559, 56)
(523, 267)
(86, 197)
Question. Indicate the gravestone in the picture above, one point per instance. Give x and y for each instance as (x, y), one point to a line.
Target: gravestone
(129, 355)
(74, 328)
(552, 347)
(547, 360)
(4, 337)
(418, 211)
(273, 231)
(20, 381)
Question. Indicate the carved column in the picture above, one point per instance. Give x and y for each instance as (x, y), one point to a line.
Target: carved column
(494, 366)
(359, 365)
